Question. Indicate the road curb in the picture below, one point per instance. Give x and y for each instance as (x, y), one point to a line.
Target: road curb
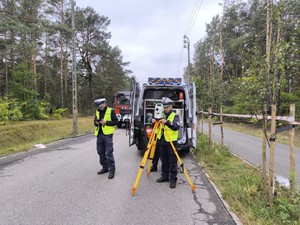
(218, 192)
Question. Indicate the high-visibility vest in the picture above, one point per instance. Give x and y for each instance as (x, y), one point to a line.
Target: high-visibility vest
(173, 134)
(107, 117)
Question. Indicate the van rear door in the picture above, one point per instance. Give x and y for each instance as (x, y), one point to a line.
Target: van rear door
(194, 114)
(134, 99)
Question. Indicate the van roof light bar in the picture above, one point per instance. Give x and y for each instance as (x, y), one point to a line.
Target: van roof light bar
(172, 81)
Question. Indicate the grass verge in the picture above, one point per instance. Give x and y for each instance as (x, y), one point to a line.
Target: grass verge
(21, 136)
(241, 187)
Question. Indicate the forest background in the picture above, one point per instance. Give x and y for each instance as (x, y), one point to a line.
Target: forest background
(248, 59)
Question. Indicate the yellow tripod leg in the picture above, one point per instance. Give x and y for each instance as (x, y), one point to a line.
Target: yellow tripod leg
(180, 162)
(153, 146)
(152, 153)
(140, 172)
(143, 163)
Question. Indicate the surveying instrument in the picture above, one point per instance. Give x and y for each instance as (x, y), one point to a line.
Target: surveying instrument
(158, 127)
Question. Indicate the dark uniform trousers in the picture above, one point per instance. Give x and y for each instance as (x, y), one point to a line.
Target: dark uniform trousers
(105, 150)
(156, 157)
(169, 161)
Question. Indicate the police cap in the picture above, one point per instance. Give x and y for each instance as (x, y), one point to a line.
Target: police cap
(100, 101)
(166, 101)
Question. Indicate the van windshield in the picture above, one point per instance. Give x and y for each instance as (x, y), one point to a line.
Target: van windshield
(124, 98)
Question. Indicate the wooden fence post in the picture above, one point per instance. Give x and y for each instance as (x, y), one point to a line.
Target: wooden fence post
(272, 150)
(292, 151)
(202, 121)
(222, 133)
(264, 150)
(209, 127)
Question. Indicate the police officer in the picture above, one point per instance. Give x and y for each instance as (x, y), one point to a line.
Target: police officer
(105, 121)
(167, 155)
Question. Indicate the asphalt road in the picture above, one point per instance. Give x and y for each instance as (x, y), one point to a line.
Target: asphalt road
(249, 148)
(59, 186)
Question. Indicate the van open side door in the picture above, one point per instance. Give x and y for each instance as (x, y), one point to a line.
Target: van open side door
(133, 111)
(194, 114)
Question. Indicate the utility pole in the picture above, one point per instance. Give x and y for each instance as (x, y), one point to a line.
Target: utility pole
(186, 42)
(74, 75)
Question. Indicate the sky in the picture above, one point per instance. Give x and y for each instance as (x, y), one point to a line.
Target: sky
(150, 33)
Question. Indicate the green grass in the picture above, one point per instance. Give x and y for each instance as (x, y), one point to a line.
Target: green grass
(241, 186)
(22, 136)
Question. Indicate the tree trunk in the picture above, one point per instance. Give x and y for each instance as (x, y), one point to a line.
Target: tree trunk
(277, 72)
(46, 65)
(91, 90)
(61, 72)
(268, 48)
(34, 62)
(6, 67)
(62, 59)
(66, 78)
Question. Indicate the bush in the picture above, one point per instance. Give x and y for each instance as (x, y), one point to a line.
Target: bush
(34, 109)
(60, 112)
(3, 111)
(15, 113)
(14, 110)
(288, 209)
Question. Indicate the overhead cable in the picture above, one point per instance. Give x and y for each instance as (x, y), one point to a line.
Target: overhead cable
(193, 17)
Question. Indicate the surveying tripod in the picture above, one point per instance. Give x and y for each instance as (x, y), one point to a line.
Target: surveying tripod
(151, 150)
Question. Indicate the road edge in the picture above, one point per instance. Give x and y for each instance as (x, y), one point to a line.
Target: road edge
(12, 158)
(218, 192)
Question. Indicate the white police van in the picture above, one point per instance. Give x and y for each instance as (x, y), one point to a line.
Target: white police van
(143, 109)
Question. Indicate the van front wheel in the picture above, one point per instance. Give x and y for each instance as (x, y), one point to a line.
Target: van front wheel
(143, 142)
(186, 150)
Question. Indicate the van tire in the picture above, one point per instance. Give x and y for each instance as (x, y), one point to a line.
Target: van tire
(143, 142)
(186, 150)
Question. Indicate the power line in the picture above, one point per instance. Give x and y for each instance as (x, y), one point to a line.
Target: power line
(193, 17)
(199, 6)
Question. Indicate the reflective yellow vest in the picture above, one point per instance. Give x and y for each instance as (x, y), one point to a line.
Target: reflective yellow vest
(107, 117)
(173, 134)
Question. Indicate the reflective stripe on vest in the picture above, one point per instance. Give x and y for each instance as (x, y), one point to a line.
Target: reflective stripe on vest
(107, 117)
(173, 134)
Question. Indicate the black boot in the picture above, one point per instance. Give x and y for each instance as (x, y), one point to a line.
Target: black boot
(103, 170)
(162, 179)
(111, 175)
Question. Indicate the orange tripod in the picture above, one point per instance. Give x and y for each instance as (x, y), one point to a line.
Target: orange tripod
(151, 150)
